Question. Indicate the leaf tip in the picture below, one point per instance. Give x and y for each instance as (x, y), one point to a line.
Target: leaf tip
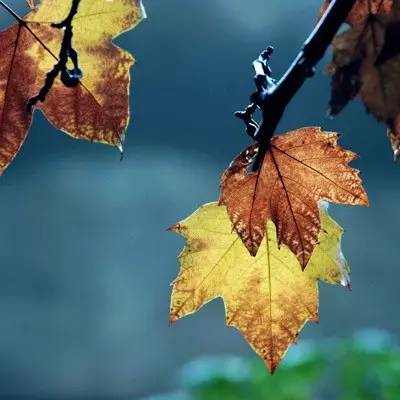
(304, 258)
(174, 228)
(364, 200)
(142, 9)
(253, 250)
(272, 366)
(171, 320)
(348, 285)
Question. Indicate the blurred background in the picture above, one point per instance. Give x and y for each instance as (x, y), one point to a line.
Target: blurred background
(85, 261)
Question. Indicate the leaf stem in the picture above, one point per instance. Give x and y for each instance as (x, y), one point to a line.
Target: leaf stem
(277, 99)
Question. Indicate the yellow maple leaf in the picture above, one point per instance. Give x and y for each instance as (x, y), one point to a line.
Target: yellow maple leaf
(267, 297)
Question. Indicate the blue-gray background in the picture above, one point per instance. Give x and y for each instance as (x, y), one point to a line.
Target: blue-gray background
(85, 261)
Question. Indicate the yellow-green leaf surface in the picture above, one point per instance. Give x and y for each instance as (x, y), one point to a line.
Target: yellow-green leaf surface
(98, 108)
(103, 98)
(267, 297)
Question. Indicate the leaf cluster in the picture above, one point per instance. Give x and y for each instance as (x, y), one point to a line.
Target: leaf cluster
(366, 64)
(269, 240)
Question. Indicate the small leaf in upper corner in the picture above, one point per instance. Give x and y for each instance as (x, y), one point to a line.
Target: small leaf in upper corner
(97, 109)
(366, 63)
(363, 8)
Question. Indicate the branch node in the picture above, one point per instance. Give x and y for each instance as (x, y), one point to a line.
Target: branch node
(273, 97)
(264, 85)
(69, 77)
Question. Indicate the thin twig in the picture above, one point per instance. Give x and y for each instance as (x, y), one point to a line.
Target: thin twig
(275, 100)
(69, 77)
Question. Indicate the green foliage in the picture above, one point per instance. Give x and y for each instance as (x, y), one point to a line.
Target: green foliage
(370, 369)
(365, 367)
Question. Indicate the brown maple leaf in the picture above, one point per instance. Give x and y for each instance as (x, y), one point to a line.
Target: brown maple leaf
(97, 109)
(366, 62)
(363, 8)
(299, 169)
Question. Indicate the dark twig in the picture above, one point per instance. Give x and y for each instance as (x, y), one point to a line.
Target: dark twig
(274, 98)
(12, 12)
(26, 26)
(264, 83)
(69, 77)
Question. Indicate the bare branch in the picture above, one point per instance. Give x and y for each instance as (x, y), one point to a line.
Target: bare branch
(69, 77)
(276, 97)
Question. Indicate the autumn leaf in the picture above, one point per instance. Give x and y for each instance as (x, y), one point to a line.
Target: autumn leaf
(363, 8)
(31, 4)
(394, 139)
(98, 108)
(366, 63)
(299, 169)
(268, 298)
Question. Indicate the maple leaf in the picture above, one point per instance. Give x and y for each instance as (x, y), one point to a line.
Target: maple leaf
(268, 298)
(363, 8)
(366, 63)
(97, 109)
(299, 169)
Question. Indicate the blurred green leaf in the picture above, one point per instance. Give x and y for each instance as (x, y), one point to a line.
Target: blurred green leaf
(364, 367)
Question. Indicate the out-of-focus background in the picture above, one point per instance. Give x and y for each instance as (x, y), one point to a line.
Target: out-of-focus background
(85, 261)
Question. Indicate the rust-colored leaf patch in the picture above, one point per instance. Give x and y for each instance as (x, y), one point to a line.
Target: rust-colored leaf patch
(366, 63)
(363, 8)
(299, 169)
(98, 108)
